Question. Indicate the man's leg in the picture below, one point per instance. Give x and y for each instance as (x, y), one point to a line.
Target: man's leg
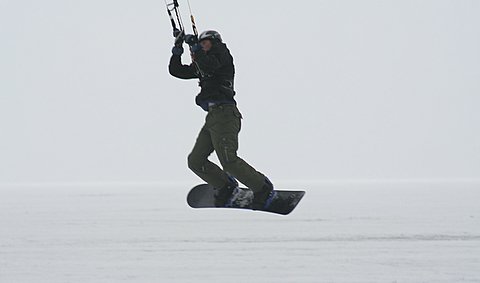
(224, 126)
(198, 161)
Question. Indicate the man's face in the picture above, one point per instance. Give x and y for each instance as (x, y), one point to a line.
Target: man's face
(206, 45)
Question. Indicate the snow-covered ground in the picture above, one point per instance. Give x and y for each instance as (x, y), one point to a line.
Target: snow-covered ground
(378, 232)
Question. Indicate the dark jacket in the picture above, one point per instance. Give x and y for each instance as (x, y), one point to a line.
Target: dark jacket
(216, 72)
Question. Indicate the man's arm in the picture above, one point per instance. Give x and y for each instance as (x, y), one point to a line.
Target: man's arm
(178, 70)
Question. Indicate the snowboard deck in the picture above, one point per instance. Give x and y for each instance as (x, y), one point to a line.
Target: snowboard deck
(283, 202)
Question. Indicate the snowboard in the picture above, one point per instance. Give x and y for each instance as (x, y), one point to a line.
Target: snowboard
(281, 202)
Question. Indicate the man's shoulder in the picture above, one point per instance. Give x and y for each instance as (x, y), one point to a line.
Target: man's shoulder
(220, 48)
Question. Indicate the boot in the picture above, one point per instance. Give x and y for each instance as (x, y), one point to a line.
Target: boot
(223, 195)
(261, 197)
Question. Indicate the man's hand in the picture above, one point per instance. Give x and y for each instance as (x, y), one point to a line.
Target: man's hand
(179, 37)
(177, 50)
(191, 39)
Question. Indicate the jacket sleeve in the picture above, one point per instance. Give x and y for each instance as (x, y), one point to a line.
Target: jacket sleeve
(211, 62)
(178, 70)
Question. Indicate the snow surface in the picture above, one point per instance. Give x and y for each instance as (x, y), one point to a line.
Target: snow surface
(400, 232)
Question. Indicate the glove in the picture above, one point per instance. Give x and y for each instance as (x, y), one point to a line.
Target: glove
(176, 32)
(195, 48)
(191, 39)
(177, 50)
(179, 37)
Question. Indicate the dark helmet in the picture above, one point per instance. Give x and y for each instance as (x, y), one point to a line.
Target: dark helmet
(210, 34)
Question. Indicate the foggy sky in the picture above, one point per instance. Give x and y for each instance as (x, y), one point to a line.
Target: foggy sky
(329, 89)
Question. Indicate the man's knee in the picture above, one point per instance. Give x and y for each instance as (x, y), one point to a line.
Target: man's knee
(195, 163)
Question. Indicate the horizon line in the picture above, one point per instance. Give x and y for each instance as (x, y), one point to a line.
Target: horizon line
(281, 182)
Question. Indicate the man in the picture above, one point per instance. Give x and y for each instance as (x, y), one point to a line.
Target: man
(213, 66)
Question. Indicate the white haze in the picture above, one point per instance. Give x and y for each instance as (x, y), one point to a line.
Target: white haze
(329, 89)
(340, 98)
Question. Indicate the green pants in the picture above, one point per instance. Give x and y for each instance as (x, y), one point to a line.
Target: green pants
(220, 134)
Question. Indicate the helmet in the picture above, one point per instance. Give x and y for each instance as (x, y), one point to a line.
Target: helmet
(210, 34)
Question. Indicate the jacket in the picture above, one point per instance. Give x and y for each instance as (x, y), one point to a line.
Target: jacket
(214, 69)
